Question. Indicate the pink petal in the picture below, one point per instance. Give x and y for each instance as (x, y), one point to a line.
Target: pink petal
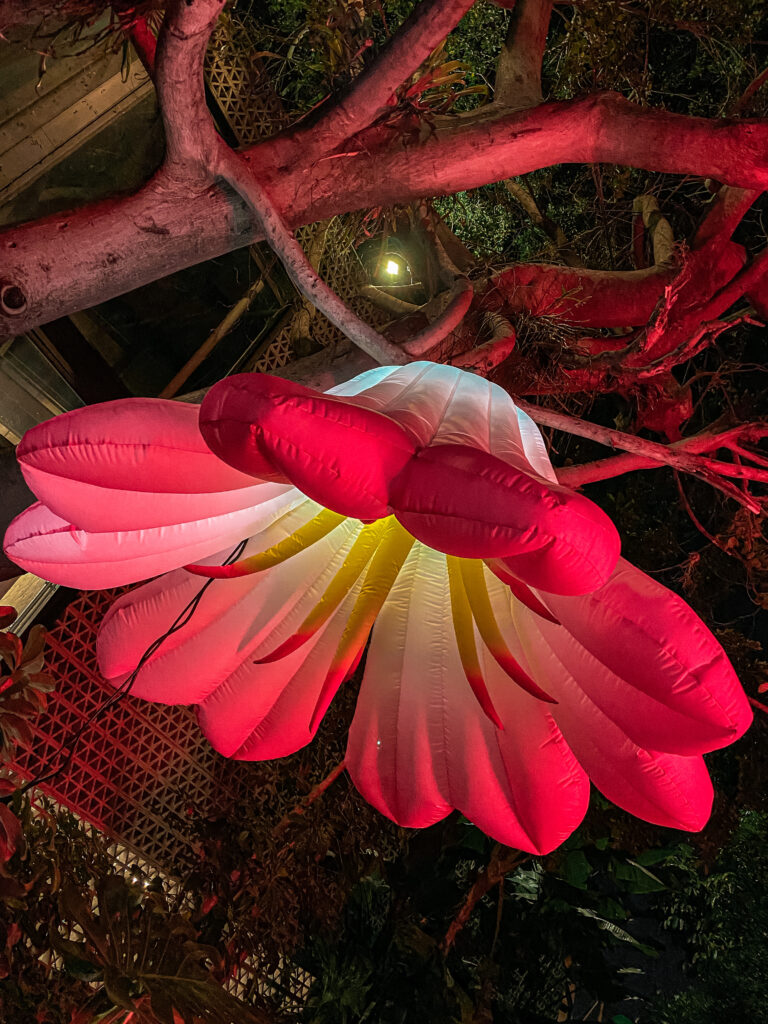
(649, 637)
(338, 453)
(420, 744)
(662, 788)
(470, 503)
(265, 711)
(137, 462)
(213, 657)
(42, 543)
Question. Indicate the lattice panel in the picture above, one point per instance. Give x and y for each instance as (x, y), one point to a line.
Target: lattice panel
(140, 765)
(342, 270)
(240, 84)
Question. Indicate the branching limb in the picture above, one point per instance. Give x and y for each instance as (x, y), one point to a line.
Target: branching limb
(503, 860)
(518, 71)
(691, 311)
(724, 215)
(710, 470)
(235, 171)
(105, 249)
(190, 135)
(371, 94)
(734, 440)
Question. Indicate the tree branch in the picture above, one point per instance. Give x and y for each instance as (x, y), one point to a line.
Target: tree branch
(710, 470)
(732, 440)
(71, 261)
(221, 330)
(372, 93)
(518, 71)
(503, 860)
(233, 169)
(448, 321)
(563, 248)
(658, 227)
(190, 135)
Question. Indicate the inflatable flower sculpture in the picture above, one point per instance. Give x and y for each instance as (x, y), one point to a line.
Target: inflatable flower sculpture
(513, 655)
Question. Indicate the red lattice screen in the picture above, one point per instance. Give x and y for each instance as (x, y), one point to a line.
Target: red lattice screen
(139, 767)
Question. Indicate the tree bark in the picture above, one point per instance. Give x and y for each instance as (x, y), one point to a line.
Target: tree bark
(72, 261)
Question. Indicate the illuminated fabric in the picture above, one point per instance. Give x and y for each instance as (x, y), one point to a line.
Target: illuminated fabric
(513, 654)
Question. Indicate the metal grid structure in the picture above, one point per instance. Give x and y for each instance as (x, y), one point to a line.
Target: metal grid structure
(135, 771)
(237, 81)
(139, 765)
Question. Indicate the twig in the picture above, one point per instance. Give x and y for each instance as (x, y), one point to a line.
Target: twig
(503, 860)
(707, 469)
(309, 799)
(758, 705)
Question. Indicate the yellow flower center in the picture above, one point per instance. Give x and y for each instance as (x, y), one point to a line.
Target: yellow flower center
(381, 548)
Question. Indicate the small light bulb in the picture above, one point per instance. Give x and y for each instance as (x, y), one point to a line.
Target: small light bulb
(392, 267)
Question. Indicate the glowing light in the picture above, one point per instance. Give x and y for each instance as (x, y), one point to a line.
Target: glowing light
(392, 267)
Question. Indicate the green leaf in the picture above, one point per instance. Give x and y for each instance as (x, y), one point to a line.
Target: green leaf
(635, 878)
(118, 988)
(649, 857)
(616, 932)
(576, 869)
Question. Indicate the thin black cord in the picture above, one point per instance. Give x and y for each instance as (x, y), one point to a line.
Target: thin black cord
(126, 686)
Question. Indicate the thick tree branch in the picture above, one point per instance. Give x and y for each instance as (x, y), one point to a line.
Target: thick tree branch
(372, 93)
(190, 135)
(691, 312)
(71, 261)
(518, 71)
(586, 298)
